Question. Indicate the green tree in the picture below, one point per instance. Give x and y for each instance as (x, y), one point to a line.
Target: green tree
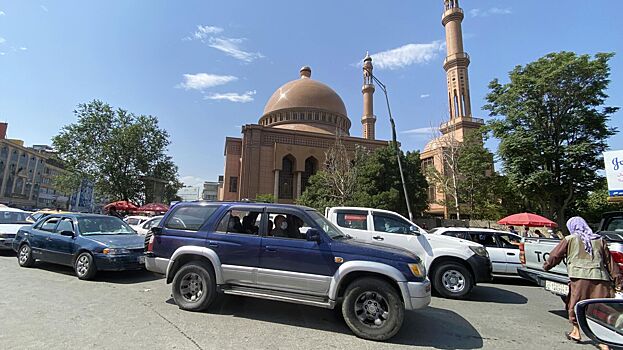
(265, 198)
(596, 203)
(116, 150)
(477, 180)
(553, 128)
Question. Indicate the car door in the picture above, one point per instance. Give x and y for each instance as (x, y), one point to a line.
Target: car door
(236, 240)
(391, 229)
(61, 248)
(42, 234)
(497, 255)
(510, 244)
(288, 261)
(355, 222)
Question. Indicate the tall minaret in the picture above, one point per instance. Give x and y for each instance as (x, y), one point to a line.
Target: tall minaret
(369, 119)
(455, 65)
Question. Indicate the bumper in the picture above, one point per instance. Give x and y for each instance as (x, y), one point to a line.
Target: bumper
(6, 243)
(157, 265)
(416, 295)
(482, 268)
(119, 262)
(539, 277)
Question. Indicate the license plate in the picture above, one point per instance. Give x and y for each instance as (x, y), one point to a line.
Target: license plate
(557, 288)
(141, 259)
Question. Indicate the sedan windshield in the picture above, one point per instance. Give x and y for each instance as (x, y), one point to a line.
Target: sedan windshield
(13, 217)
(103, 226)
(326, 225)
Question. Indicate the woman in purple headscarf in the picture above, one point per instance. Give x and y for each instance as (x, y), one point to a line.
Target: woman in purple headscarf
(589, 266)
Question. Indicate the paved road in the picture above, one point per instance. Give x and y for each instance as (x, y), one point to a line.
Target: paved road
(47, 307)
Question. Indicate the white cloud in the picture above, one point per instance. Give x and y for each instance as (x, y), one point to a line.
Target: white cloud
(424, 95)
(190, 180)
(2, 40)
(203, 32)
(202, 81)
(407, 55)
(428, 131)
(231, 47)
(2, 53)
(23, 48)
(490, 12)
(2, 13)
(232, 96)
(44, 8)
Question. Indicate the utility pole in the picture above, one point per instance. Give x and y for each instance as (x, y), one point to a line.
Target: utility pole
(395, 143)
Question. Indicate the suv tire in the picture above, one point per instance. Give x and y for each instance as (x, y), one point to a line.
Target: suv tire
(194, 287)
(24, 256)
(452, 280)
(372, 309)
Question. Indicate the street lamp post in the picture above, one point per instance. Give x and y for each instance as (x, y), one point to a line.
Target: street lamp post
(396, 148)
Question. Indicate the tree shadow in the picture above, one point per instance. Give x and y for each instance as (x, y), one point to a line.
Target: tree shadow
(117, 277)
(7, 253)
(560, 313)
(429, 327)
(495, 295)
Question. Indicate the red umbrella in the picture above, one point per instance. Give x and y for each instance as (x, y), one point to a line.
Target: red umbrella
(121, 206)
(156, 207)
(527, 219)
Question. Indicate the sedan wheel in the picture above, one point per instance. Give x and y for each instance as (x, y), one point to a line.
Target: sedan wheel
(85, 266)
(24, 256)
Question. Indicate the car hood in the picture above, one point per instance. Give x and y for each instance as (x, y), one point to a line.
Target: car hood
(11, 228)
(119, 241)
(376, 250)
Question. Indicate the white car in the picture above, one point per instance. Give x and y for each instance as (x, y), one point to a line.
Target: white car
(11, 220)
(503, 246)
(135, 221)
(147, 225)
(454, 266)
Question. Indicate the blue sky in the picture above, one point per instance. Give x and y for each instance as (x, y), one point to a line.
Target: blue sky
(206, 68)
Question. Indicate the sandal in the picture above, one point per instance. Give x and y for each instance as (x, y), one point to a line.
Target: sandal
(569, 337)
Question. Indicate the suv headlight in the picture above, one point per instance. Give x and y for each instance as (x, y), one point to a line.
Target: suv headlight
(115, 251)
(418, 270)
(481, 251)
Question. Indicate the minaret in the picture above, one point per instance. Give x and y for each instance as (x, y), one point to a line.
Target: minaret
(368, 120)
(455, 65)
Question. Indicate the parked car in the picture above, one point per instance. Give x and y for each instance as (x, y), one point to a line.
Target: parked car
(534, 252)
(39, 214)
(503, 246)
(454, 266)
(286, 253)
(11, 220)
(135, 221)
(87, 242)
(143, 228)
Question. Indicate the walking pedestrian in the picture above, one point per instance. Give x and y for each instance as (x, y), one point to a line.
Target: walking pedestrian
(590, 267)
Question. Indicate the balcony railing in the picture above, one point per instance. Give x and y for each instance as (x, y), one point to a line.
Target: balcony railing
(456, 56)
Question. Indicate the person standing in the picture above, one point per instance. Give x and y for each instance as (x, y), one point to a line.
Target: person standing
(590, 267)
(512, 230)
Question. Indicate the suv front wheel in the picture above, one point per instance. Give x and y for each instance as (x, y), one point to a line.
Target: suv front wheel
(452, 280)
(372, 309)
(194, 287)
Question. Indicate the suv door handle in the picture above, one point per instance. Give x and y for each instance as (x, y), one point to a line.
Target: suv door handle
(511, 254)
(213, 245)
(378, 238)
(270, 249)
(48, 238)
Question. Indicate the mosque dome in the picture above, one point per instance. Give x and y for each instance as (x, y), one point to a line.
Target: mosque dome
(305, 104)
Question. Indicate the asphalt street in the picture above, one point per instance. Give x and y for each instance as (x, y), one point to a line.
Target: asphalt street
(47, 307)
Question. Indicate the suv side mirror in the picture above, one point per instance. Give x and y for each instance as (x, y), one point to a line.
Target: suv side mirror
(312, 235)
(601, 320)
(67, 233)
(415, 230)
(156, 230)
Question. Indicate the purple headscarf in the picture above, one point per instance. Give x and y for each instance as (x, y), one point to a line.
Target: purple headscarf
(578, 226)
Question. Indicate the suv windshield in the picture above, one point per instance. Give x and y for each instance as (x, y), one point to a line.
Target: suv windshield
(103, 226)
(13, 217)
(326, 225)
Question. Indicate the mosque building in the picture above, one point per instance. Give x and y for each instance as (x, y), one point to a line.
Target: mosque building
(304, 117)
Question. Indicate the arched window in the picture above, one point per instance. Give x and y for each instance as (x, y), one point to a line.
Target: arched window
(311, 166)
(286, 178)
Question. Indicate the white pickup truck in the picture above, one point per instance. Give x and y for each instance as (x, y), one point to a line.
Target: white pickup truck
(534, 252)
(454, 265)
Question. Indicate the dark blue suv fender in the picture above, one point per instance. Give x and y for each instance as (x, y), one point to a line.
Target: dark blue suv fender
(286, 253)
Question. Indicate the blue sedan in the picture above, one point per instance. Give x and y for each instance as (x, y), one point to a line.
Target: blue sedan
(87, 242)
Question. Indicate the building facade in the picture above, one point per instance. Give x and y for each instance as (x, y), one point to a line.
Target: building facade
(460, 119)
(300, 122)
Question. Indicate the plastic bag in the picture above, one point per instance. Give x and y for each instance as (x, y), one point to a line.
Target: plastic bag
(618, 295)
